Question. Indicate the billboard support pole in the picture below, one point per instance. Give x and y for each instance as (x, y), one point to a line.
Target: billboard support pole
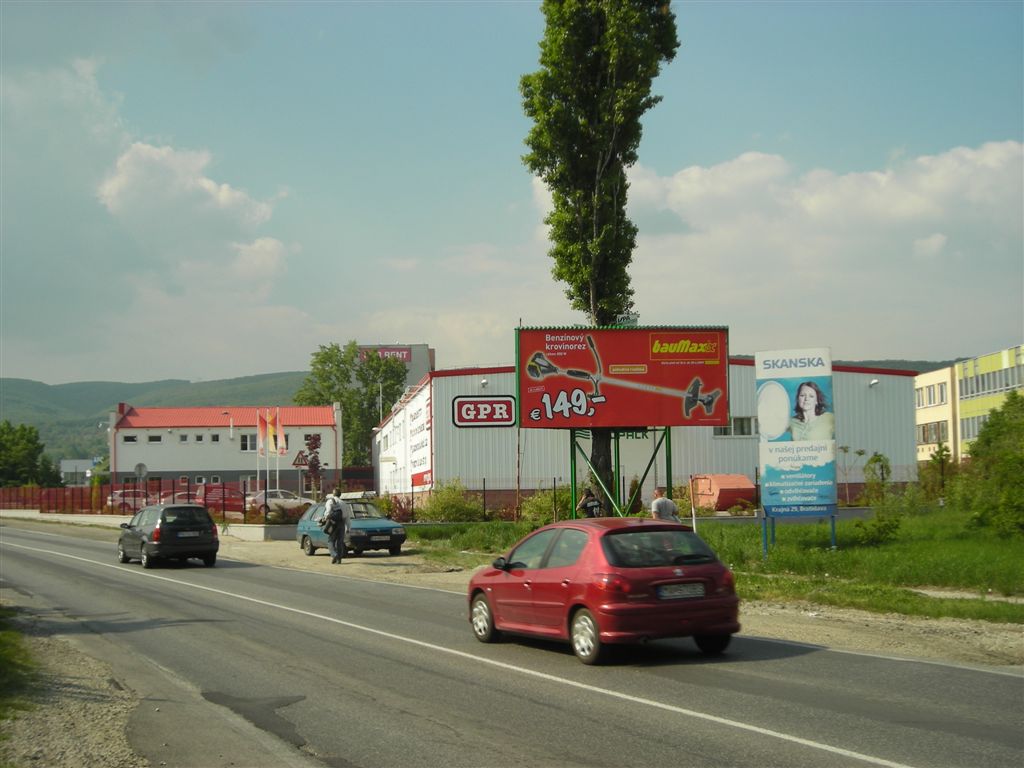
(572, 471)
(668, 460)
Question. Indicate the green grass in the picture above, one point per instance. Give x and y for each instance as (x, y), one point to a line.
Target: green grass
(18, 672)
(938, 549)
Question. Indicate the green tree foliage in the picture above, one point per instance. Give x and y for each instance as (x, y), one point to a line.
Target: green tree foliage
(991, 486)
(22, 461)
(935, 473)
(598, 59)
(366, 386)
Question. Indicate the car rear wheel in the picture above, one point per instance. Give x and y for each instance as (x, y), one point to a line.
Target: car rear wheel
(712, 645)
(482, 621)
(210, 560)
(307, 546)
(122, 556)
(148, 561)
(586, 638)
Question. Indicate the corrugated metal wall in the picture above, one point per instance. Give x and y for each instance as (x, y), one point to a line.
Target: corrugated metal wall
(873, 418)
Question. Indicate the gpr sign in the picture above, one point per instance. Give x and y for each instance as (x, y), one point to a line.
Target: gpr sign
(484, 411)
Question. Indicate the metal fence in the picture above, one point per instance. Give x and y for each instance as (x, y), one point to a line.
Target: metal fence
(227, 502)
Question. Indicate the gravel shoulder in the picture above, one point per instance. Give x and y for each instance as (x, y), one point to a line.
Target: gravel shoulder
(81, 711)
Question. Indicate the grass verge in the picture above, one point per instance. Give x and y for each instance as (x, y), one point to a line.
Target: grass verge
(936, 549)
(18, 671)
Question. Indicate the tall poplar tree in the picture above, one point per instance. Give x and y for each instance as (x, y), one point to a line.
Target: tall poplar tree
(598, 59)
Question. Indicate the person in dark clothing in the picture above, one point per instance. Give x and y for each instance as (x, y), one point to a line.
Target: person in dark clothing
(335, 524)
(589, 505)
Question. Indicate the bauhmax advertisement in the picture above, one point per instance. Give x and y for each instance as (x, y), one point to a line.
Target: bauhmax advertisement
(796, 421)
(622, 377)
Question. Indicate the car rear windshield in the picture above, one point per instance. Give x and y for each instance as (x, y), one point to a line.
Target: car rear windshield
(649, 549)
(187, 516)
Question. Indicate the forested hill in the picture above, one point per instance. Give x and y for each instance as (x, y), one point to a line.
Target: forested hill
(72, 418)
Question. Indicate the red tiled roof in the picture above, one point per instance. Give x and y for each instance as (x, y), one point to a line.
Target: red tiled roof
(221, 416)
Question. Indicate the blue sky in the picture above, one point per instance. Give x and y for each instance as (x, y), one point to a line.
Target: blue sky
(209, 190)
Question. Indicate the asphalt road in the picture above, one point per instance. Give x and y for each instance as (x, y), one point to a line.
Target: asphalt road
(251, 665)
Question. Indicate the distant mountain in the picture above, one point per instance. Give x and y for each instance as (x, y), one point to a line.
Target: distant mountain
(72, 418)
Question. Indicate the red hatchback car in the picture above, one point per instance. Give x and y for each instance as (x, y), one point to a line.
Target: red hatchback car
(607, 581)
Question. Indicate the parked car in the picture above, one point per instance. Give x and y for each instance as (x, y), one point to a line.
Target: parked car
(130, 499)
(278, 498)
(178, 497)
(171, 531)
(225, 501)
(369, 529)
(607, 581)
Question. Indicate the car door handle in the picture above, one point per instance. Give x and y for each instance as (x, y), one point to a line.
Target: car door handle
(526, 585)
(566, 582)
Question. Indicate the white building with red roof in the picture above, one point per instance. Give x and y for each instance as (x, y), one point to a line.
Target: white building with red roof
(224, 444)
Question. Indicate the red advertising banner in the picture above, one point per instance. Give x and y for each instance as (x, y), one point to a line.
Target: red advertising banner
(622, 377)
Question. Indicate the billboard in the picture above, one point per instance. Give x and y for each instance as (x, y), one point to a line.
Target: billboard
(622, 377)
(796, 422)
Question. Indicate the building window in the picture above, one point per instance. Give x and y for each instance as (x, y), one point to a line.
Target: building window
(214, 478)
(129, 439)
(931, 394)
(214, 438)
(248, 442)
(200, 480)
(199, 438)
(942, 393)
(741, 426)
(155, 438)
(183, 480)
(182, 438)
(919, 397)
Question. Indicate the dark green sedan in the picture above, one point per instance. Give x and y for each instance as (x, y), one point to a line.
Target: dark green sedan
(369, 529)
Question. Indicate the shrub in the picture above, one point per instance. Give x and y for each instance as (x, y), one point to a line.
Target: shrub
(544, 506)
(451, 502)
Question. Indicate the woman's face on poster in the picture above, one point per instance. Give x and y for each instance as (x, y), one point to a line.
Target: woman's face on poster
(807, 399)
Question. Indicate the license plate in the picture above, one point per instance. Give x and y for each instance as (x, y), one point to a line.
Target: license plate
(380, 538)
(188, 534)
(679, 591)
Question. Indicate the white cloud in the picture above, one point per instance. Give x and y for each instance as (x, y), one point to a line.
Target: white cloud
(923, 259)
(927, 248)
(147, 179)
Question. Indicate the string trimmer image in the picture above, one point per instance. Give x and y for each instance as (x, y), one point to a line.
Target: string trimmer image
(539, 367)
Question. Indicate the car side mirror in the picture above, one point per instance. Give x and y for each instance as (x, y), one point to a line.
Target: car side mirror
(126, 525)
(500, 564)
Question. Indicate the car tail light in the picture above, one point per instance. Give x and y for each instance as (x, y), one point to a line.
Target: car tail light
(727, 586)
(612, 582)
(156, 533)
(213, 529)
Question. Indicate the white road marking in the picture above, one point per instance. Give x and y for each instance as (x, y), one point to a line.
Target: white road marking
(502, 665)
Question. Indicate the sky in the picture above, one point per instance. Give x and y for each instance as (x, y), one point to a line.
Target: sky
(208, 190)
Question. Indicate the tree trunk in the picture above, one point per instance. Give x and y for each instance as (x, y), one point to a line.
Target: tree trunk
(601, 459)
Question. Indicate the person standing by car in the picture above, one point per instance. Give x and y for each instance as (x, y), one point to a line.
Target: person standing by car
(663, 508)
(335, 524)
(589, 505)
